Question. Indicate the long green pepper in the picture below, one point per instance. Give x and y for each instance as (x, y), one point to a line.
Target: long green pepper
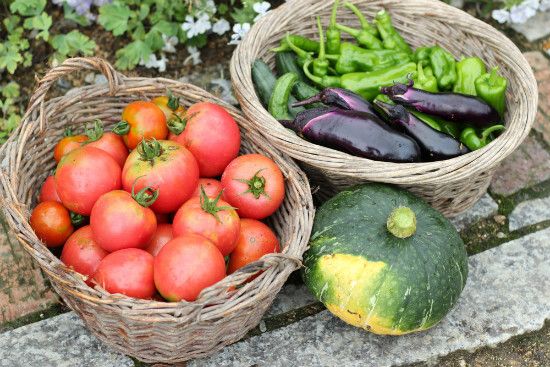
(422, 55)
(278, 102)
(491, 87)
(473, 141)
(302, 42)
(391, 38)
(468, 70)
(302, 55)
(333, 33)
(354, 58)
(320, 64)
(365, 25)
(425, 79)
(364, 38)
(444, 67)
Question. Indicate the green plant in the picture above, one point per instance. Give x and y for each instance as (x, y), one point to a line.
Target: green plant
(9, 109)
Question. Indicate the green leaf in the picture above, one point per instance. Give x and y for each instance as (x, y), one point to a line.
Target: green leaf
(114, 18)
(70, 14)
(73, 43)
(11, 23)
(27, 7)
(198, 41)
(143, 11)
(41, 23)
(154, 40)
(129, 56)
(138, 33)
(223, 9)
(28, 59)
(9, 58)
(10, 90)
(167, 28)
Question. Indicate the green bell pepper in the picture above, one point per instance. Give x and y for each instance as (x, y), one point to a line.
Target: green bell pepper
(444, 67)
(391, 38)
(353, 58)
(468, 70)
(469, 136)
(491, 87)
(425, 79)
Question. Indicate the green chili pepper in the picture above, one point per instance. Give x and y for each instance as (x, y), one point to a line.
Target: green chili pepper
(422, 55)
(354, 58)
(450, 128)
(302, 42)
(366, 84)
(391, 38)
(278, 102)
(491, 87)
(444, 67)
(473, 141)
(320, 64)
(333, 33)
(364, 38)
(302, 55)
(468, 70)
(425, 79)
(365, 25)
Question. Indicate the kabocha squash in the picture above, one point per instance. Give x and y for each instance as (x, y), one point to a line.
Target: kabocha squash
(382, 259)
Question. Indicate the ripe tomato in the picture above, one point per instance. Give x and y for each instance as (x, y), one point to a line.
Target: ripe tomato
(82, 253)
(120, 220)
(162, 218)
(171, 107)
(164, 165)
(254, 184)
(52, 223)
(48, 192)
(255, 240)
(83, 175)
(128, 271)
(211, 187)
(141, 120)
(162, 235)
(67, 144)
(108, 142)
(186, 265)
(212, 135)
(211, 218)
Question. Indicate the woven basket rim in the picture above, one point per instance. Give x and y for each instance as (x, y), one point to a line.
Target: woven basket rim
(16, 212)
(343, 164)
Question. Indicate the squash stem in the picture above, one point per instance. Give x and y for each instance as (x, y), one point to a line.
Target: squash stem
(402, 222)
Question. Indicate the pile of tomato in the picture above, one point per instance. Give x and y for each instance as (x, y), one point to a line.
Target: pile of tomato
(162, 206)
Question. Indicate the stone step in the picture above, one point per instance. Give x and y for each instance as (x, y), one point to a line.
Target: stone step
(529, 212)
(506, 295)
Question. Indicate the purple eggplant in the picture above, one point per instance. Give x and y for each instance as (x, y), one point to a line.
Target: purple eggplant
(358, 133)
(435, 145)
(338, 97)
(449, 106)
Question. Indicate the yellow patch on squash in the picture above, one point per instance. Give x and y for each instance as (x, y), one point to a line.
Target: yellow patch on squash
(371, 323)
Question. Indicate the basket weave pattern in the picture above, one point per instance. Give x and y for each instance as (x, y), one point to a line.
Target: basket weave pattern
(152, 331)
(452, 185)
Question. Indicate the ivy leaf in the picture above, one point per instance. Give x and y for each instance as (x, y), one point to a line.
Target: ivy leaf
(10, 90)
(9, 58)
(41, 23)
(114, 18)
(27, 8)
(129, 56)
(73, 43)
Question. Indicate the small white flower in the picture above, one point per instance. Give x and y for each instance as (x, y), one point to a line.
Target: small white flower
(210, 6)
(194, 56)
(221, 26)
(194, 28)
(544, 5)
(239, 31)
(170, 43)
(501, 15)
(261, 9)
(153, 62)
(522, 12)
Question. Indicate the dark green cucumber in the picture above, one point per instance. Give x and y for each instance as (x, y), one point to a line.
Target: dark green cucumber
(286, 62)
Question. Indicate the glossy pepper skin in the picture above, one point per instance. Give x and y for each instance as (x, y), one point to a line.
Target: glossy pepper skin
(444, 67)
(468, 70)
(422, 55)
(357, 133)
(333, 33)
(435, 145)
(449, 106)
(364, 38)
(491, 87)
(472, 140)
(320, 64)
(302, 42)
(392, 40)
(301, 55)
(425, 79)
(353, 58)
(341, 98)
(365, 25)
(366, 84)
(278, 103)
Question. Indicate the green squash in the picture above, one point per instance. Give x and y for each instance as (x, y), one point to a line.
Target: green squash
(382, 259)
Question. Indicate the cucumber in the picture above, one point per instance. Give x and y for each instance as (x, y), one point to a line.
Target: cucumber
(286, 62)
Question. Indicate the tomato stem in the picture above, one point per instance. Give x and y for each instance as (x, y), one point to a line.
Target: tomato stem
(95, 132)
(121, 128)
(210, 205)
(146, 196)
(149, 149)
(177, 124)
(77, 219)
(173, 101)
(68, 132)
(256, 185)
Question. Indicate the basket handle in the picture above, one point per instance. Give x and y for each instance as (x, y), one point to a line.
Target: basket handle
(69, 66)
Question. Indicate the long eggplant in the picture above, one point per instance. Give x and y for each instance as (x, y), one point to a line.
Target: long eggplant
(450, 106)
(358, 133)
(338, 97)
(435, 145)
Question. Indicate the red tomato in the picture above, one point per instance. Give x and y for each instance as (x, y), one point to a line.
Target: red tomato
(108, 142)
(254, 184)
(212, 135)
(162, 218)
(186, 265)
(48, 192)
(211, 218)
(171, 107)
(211, 187)
(68, 144)
(164, 165)
(162, 235)
(255, 240)
(128, 271)
(141, 120)
(119, 221)
(82, 253)
(52, 223)
(83, 175)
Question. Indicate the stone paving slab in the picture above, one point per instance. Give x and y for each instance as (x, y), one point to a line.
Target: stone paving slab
(529, 212)
(483, 208)
(541, 68)
(291, 297)
(506, 295)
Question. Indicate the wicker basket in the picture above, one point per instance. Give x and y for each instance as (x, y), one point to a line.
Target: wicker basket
(450, 186)
(152, 331)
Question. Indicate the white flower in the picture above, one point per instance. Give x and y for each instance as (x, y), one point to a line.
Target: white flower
(153, 62)
(522, 12)
(194, 28)
(210, 6)
(194, 56)
(170, 43)
(544, 5)
(501, 15)
(239, 31)
(261, 8)
(221, 26)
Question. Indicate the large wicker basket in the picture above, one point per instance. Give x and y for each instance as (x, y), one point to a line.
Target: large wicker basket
(450, 186)
(152, 331)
